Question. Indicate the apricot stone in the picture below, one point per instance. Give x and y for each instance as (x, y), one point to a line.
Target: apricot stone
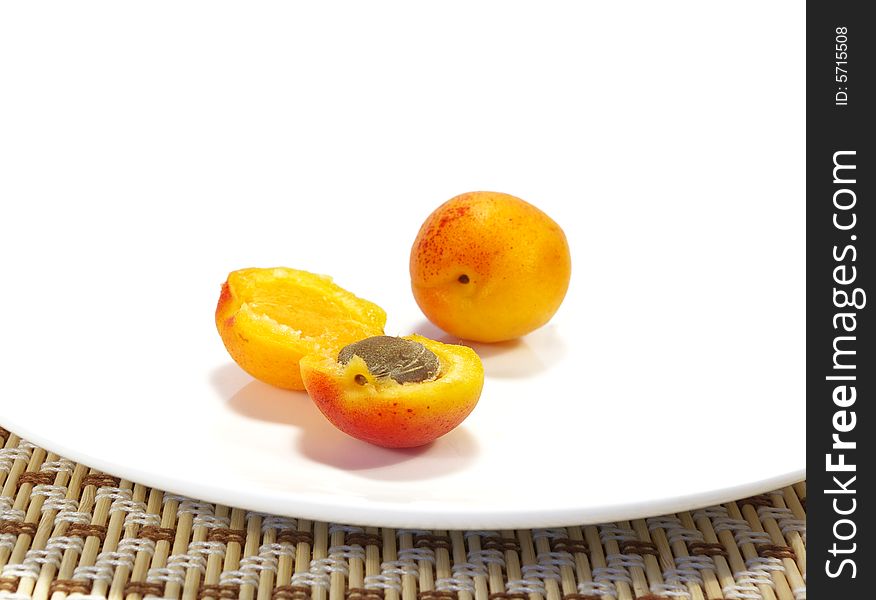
(405, 361)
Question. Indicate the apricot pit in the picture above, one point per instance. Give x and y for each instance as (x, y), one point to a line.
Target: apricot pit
(405, 361)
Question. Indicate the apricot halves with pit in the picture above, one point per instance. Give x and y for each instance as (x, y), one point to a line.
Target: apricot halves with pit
(395, 392)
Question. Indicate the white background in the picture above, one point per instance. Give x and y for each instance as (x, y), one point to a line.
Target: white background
(147, 150)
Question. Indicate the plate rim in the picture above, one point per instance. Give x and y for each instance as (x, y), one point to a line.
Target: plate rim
(397, 515)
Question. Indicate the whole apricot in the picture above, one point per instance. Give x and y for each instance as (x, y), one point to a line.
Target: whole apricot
(489, 267)
(269, 318)
(395, 392)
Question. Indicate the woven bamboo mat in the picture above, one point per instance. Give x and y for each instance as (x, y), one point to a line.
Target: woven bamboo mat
(69, 531)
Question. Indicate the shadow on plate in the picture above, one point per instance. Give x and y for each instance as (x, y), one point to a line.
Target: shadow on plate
(520, 358)
(321, 442)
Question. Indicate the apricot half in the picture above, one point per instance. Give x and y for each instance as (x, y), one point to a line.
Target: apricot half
(489, 267)
(269, 319)
(395, 392)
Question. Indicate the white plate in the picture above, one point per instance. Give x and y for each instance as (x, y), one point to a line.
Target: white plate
(672, 377)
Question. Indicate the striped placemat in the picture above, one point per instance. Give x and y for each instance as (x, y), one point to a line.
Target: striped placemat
(70, 531)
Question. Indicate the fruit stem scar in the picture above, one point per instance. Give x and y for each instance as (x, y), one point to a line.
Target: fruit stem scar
(463, 278)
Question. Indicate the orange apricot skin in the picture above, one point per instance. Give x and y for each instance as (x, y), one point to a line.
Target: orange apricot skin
(383, 422)
(400, 415)
(515, 259)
